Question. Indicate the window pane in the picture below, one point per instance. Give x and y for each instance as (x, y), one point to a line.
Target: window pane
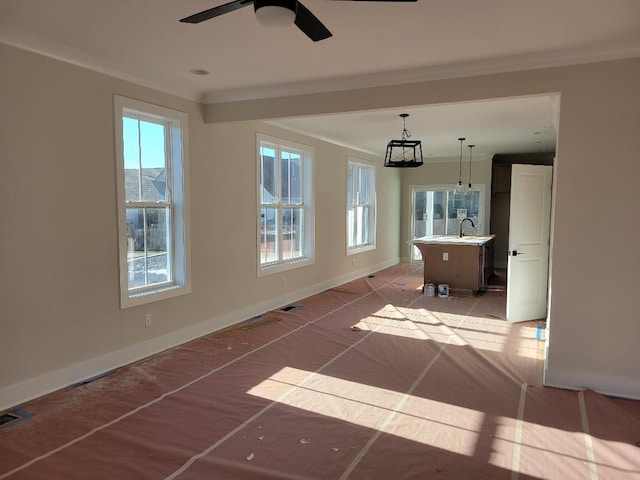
(291, 178)
(152, 145)
(154, 185)
(135, 230)
(158, 240)
(437, 212)
(268, 175)
(363, 185)
(147, 246)
(351, 226)
(269, 240)
(469, 205)
(472, 204)
(153, 160)
(351, 190)
(292, 233)
(136, 258)
(362, 225)
(131, 140)
(358, 226)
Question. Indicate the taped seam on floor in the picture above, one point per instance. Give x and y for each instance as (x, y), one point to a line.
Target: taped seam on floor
(188, 384)
(588, 442)
(517, 440)
(358, 458)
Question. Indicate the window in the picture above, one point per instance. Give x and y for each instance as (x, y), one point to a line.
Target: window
(151, 154)
(285, 213)
(361, 206)
(438, 210)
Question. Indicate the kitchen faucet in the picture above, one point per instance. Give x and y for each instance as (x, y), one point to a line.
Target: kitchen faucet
(463, 220)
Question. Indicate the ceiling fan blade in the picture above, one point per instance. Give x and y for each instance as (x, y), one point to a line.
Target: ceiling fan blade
(310, 25)
(216, 11)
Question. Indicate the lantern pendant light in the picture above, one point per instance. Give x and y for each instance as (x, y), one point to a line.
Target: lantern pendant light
(404, 153)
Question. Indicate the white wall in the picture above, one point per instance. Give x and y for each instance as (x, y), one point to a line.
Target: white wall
(59, 306)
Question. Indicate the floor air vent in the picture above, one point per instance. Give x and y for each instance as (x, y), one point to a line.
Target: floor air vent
(288, 308)
(246, 326)
(8, 418)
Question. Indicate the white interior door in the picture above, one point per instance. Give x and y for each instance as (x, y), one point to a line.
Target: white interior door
(528, 260)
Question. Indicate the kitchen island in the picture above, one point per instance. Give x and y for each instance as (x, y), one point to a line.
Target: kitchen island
(464, 263)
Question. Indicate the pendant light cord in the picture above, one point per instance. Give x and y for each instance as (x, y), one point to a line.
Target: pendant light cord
(405, 133)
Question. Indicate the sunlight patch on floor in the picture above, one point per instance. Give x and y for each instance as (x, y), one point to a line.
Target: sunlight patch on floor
(566, 458)
(430, 422)
(481, 333)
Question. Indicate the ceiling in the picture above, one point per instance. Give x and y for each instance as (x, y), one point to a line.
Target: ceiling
(373, 44)
(515, 125)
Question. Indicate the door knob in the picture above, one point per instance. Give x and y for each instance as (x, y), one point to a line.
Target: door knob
(515, 253)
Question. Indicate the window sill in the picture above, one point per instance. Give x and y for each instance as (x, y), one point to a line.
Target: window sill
(360, 249)
(266, 270)
(150, 296)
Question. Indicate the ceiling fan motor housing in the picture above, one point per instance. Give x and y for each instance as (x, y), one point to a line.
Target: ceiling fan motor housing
(275, 13)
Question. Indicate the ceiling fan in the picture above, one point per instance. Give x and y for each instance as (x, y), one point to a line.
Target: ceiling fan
(276, 13)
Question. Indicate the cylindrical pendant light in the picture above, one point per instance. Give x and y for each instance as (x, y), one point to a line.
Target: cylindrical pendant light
(459, 188)
(470, 149)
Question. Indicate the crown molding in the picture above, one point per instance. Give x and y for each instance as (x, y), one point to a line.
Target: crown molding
(490, 66)
(47, 48)
(26, 41)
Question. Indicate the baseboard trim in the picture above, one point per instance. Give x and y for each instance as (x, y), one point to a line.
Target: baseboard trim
(617, 386)
(17, 394)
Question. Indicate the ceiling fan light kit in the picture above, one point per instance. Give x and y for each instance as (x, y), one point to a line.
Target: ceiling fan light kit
(404, 153)
(275, 13)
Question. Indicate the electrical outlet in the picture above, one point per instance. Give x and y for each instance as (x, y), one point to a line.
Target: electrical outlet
(284, 281)
(148, 320)
(445, 257)
(353, 261)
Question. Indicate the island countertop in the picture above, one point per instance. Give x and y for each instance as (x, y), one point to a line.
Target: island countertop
(453, 240)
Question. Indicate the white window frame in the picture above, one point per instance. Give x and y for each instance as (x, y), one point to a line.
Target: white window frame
(308, 255)
(176, 147)
(370, 242)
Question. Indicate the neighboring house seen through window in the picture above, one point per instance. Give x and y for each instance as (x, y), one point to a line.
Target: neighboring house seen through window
(285, 213)
(361, 205)
(151, 158)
